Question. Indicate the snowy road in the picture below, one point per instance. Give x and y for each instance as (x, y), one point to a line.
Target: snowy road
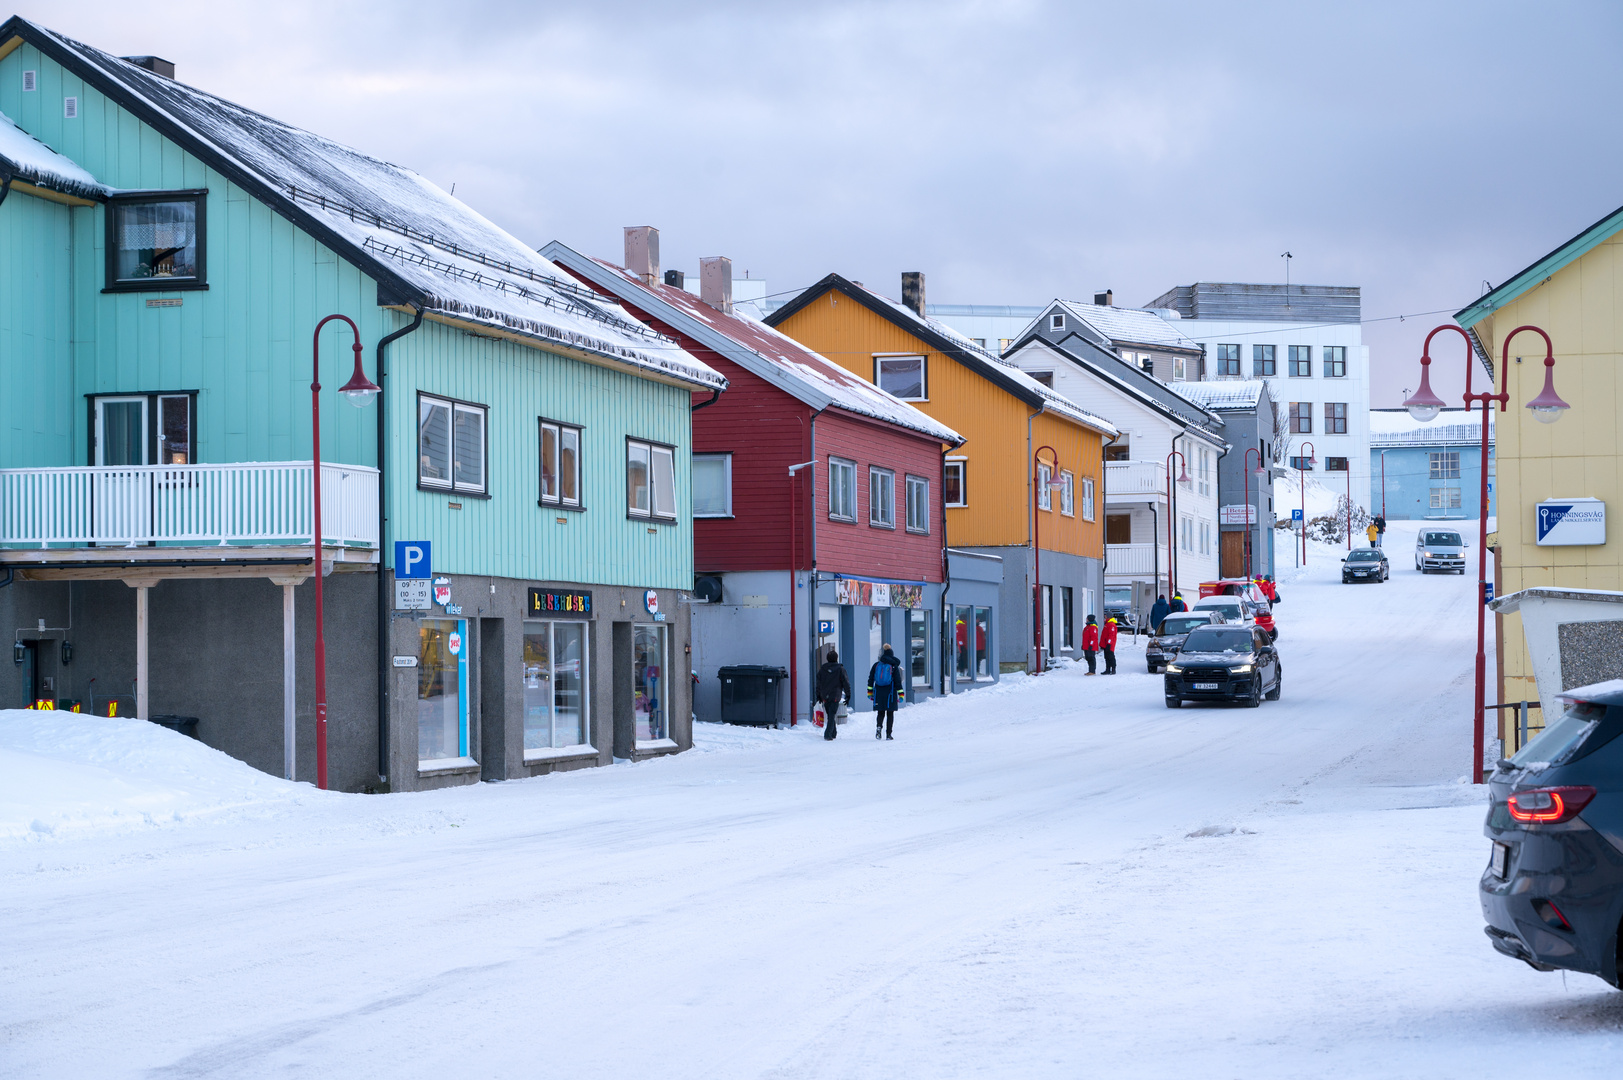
(1008, 889)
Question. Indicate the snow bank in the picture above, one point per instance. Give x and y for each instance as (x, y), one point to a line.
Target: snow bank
(72, 773)
(1321, 500)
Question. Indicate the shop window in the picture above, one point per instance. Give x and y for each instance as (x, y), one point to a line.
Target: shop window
(918, 646)
(972, 643)
(442, 690)
(1067, 614)
(650, 480)
(555, 685)
(881, 498)
(900, 376)
(450, 445)
(649, 662)
(156, 242)
(560, 464)
(842, 489)
(1301, 361)
(144, 429)
(954, 478)
(712, 485)
(984, 664)
(918, 504)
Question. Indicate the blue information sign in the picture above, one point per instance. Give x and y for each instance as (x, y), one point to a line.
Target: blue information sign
(1296, 515)
(825, 626)
(412, 559)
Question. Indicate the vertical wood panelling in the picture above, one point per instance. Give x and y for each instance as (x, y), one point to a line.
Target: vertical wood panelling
(35, 331)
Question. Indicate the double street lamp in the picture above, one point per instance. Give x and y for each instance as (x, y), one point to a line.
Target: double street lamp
(1547, 409)
(1172, 517)
(1250, 514)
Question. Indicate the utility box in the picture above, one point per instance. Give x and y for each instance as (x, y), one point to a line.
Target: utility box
(750, 693)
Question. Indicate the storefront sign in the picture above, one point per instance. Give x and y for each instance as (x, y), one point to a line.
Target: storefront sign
(858, 593)
(550, 602)
(442, 591)
(1571, 522)
(650, 600)
(454, 644)
(411, 595)
(1238, 514)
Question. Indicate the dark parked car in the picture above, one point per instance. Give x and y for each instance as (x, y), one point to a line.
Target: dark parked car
(1168, 637)
(1365, 564)
(1224, 663)
(1552, 893)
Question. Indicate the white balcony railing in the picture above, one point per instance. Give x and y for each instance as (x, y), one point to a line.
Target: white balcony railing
(250, 503)
(1132, 559)
(1135, 478)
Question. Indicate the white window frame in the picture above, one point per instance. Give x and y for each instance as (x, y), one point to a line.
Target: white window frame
(1445, 498)
(1056, 321)
(726, 460)
(1045, 500)
(881, 359)
(961, 465)
(655, 450)
(1088, 507)
(558, 429)
(1444, 464)
(918, 497)
(881, 497)
(842, 496)
(454, 408)
(1067, 494)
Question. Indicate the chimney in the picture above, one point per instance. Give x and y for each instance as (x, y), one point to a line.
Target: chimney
(1104, 299)
(676, 279)
(913, 291)
(155, 64)
(716, 283)
(642, 252)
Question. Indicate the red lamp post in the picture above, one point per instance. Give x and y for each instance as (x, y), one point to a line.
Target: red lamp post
(1349, 504)
(1547, 408)
(1250, 526)
(1304, 461)
(1172, 517)
(1053, 482)
(360, 392)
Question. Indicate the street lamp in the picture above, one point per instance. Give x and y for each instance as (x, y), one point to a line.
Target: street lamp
(1547, 409)
(1172, 516)
(1304, 461)
(359, 392)
(1250, 526)
(1349, 504)
(1383, 483)
(1054, 483)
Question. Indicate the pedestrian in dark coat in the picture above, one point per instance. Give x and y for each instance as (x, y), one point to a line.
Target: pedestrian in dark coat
(885, 691)
(832, 684)
(1090, 642)
(1158, 611)
(1177, 605)
(1107, 642)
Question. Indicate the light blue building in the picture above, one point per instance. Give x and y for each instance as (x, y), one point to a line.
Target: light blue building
(165, 258)
(1428, 471)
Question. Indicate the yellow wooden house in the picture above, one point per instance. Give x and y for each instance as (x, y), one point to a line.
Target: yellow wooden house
(1029, 476)
(1575, 294)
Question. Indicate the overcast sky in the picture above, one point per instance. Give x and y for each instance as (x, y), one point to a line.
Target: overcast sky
(1012, 151)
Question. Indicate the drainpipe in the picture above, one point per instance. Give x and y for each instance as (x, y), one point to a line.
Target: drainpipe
(811, 532)
(1031, 519)
(715, 396)
(385, 606)
(946, 580)
(1101, 508)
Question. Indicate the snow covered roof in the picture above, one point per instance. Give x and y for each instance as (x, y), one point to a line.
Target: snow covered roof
(1136, 326)
(754, 346)
(1222, 393)
(961, 348)
(1395, 427)
(26, 159)
(421, 245)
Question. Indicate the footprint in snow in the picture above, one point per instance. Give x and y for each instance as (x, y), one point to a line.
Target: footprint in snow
(1219, 830)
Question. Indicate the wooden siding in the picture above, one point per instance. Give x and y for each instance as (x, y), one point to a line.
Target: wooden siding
(36, 312)
(862, 549)
(991, 420)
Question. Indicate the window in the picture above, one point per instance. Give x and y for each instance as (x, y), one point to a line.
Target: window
(1003, 343)
(560, 464)
(144, 429)
(842, 489)
(442, 695)
(1302, 464)
(650, 645)
(901, 376)
(1335, 361)
(972, 644)
(918, 646)
(156, 242)
(1118, 528)
(1067, 611)
(979, 341)
(1445, 498)
(1335, 418)
(1186, 534)
(650, 480)
(1056, 322)
(1146, 363)
(1044, 377)
(1262, 359)
(1228, 360)
(712, 485)
(1120, 450)
(555, 685)
(1179, 368)
(918, 504)
(1087, 498)
(450, 445)
(1045, 498)
(955, 488)
(1301, 414)
(1445, 465)
(30, 81)
(1335, 464)
(1067, 494)
(1301, 361)
(881, 498)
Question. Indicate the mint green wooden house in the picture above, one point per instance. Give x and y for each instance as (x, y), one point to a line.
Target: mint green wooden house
(167, 256)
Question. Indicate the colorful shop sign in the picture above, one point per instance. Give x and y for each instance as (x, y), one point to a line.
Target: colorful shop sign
(858, 593)
(555, 602)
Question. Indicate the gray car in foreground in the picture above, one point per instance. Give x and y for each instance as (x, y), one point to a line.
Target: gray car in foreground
(1552, 893)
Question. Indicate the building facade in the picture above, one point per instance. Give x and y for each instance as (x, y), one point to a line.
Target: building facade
(1245, 475)
(1427, 472)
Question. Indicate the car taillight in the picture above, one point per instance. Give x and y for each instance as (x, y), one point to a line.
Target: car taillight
(1548, 806)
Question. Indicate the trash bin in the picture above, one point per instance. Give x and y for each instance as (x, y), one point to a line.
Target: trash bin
(186, 725)
(749, 693)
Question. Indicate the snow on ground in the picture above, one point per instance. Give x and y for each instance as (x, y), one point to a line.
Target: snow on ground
(1058, 877)
(1321, 500)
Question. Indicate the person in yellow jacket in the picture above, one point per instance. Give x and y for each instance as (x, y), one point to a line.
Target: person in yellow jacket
(1374, 534)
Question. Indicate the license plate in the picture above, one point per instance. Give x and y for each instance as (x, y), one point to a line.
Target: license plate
(1206, 686)
(1500, 860)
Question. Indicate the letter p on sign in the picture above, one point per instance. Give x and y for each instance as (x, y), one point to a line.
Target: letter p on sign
(412, 559)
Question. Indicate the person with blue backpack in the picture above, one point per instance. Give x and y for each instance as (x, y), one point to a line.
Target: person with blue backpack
(885, 691)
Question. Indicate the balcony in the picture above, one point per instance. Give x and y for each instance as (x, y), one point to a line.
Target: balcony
(1132, 560)
(1133, 481)
(252, 505)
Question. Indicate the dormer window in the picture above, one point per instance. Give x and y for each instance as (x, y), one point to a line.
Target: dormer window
(156, 242)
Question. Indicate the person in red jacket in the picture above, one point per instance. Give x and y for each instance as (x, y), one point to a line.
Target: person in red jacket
(1107, 642)
(1090, 642)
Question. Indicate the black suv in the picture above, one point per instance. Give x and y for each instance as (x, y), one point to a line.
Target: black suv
(1224, 663)
(1552, 893)
(1166, 639)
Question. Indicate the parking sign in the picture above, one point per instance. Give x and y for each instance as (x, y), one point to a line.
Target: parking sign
(1296, 515)
(412, 559)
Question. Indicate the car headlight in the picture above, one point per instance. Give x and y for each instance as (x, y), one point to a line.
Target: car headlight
(1173, 669)
(1240, 669)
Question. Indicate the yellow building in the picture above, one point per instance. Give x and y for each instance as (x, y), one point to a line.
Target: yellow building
(1032, 460)
(1575, 294)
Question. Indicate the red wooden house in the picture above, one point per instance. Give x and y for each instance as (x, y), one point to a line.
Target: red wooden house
(817, 497)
